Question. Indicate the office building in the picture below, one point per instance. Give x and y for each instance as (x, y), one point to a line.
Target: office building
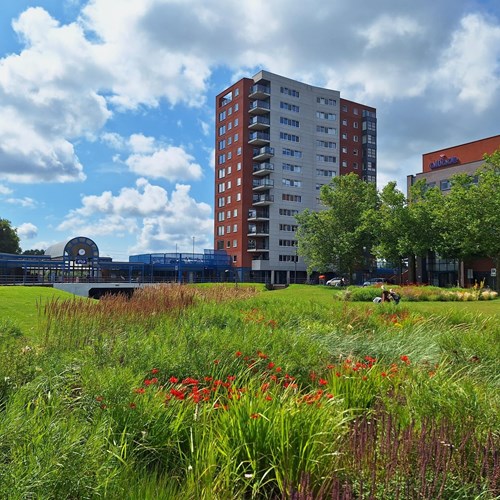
(277, 142)
(438, 168)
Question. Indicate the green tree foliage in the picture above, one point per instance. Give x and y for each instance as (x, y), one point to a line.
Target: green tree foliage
(34, 251)
(9, 240)
(488, 203)
(392, 226)
(337, 237)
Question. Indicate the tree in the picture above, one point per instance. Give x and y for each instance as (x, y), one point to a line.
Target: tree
(9, 240)
(34, 251)
(338, 237)
(488, 203)
(391, 226)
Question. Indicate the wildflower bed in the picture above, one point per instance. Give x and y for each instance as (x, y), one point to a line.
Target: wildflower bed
(231, 392)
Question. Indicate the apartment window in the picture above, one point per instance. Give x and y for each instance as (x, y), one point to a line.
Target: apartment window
(326, 158)
(221, 187)
(344, 150)
(230, 111)
(296, 198)
(288, 227)
(319, 186)
(292, 152)
(230, 126)
(229, 141)
(238, 151)
(344, 163)
(222, 130)
(325, 173)
(355, 165)
(326, 101)
(228, 214)
(371, 153)
(344, 108)
(235, 212)
(236, 137)
(288, 121)
(291, 168)
(228, 243)
(288, 258)
(220, 216)
(289, 107)
(222, 116)
(222, 144)
(222, 159)
(355, 125)
(235, 244)
(236, 107)
(236, 92)
(326, 144)
(325, 116)
(344, 122)
(291, 92)
(238, 181)
(344, 136)
(220, 231)
(236, 122)
(228, 200)
(229, 169)
(222, 173)
(229, 155)
(326, 130)
(238, 196)
(355, 152)
(221, 202)
(292, 182)
(228, 229)
(289, 137)
(287, 243)
(355, 111)
(238, 166)
(288, 211)
(229, 184)
(235, 228)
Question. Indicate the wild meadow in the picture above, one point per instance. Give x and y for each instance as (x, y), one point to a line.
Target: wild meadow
(229, 392)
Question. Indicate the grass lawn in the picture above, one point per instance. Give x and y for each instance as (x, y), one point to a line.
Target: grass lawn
(19, 304)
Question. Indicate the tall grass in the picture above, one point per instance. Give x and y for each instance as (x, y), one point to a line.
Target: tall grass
(186, 392)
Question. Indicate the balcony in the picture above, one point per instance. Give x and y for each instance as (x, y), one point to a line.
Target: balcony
(258, 230)
(261, 154)
(258, 215)
(262, 184)
(259, 107)
(259, 138)
(259, 123)
(259, 91)
(260, 169)
(261, 200)
(257, 247)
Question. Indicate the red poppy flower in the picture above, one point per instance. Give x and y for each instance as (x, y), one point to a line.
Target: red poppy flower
(140, 390)
(173, 380)
(238, 354)
(133, 406)
(322, 381)
(254, 415)
(154, 370)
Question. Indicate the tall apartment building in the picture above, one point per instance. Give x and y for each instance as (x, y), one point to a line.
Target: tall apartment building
(277, 142)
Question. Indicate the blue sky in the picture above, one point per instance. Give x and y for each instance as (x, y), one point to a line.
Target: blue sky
(106, 106)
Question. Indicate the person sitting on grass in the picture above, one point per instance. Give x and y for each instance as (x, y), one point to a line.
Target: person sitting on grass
(394, 296)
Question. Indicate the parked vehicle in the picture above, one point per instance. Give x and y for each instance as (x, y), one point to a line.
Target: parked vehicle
(375, 281)
(336, 282)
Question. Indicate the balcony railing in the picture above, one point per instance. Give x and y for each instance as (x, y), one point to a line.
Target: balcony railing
(259, 122)
(260, 90)
(259, 107)
(262, 199)
(262, 168)
(262, 184)
(258, 214)
(259, 138)
(263, 153)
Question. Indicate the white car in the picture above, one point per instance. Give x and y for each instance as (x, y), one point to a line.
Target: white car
(335, 282)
